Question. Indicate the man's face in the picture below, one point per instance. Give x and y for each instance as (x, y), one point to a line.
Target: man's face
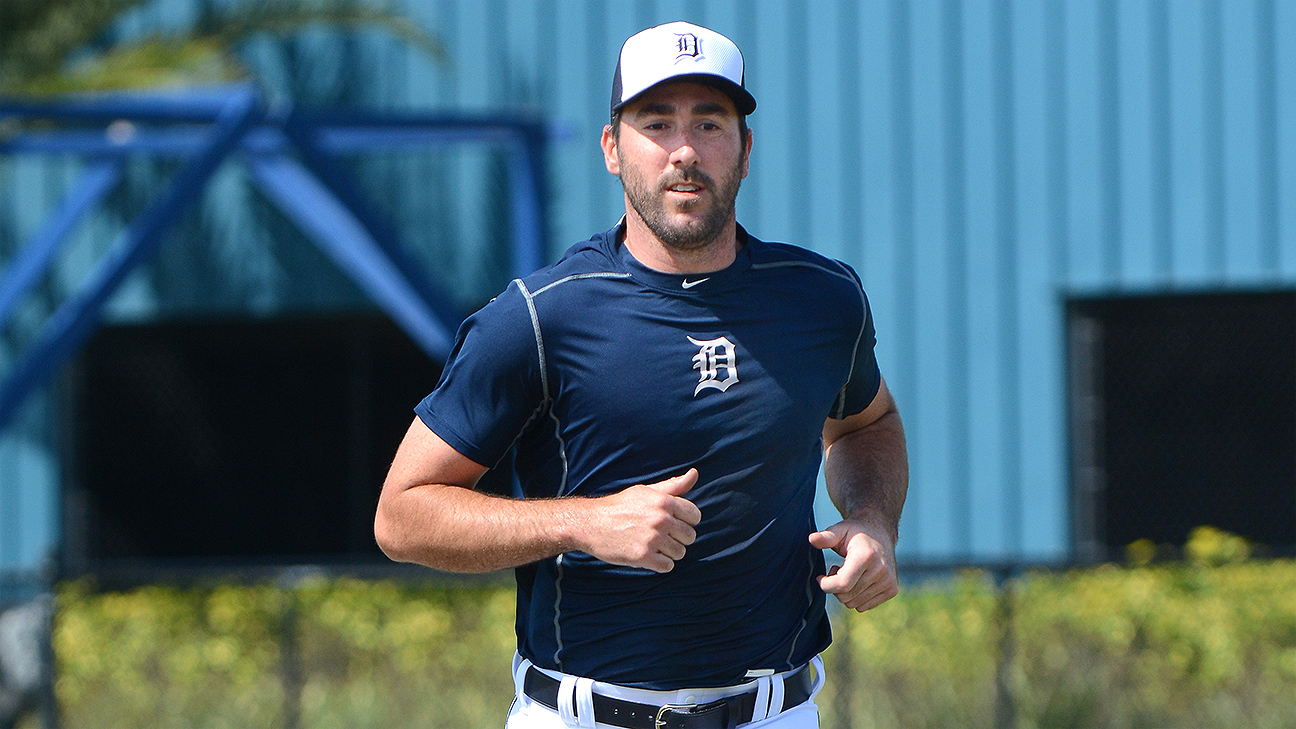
(681, 159)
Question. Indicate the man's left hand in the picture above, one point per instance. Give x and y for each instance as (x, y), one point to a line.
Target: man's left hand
(866, 577)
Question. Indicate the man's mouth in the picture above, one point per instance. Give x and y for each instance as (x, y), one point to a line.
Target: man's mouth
(684, 187)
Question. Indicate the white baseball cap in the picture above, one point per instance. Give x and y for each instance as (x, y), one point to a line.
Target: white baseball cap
(679, 51)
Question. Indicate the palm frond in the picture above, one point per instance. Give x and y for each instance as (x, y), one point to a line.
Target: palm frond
(38, 37)
(150, 63)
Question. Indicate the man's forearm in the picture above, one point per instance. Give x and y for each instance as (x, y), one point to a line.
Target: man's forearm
(867, 473)
(457, 529)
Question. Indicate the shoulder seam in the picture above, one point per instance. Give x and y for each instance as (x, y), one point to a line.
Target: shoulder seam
(577, 277)
(806, 264)
(544, 378)
(529, 298)
(864, 320)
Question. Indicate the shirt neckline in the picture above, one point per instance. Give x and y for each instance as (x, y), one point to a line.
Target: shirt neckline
(685, 284)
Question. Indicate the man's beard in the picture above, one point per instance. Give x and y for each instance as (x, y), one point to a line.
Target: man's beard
(650, 204)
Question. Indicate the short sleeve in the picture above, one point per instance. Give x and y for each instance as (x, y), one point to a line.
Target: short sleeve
(491, 385)
(865, 377)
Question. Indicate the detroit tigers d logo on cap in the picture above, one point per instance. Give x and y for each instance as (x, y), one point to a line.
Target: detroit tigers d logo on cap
(680, 51)
(690, 46)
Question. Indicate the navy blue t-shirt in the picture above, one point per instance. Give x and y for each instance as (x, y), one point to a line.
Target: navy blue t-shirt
(599, 373)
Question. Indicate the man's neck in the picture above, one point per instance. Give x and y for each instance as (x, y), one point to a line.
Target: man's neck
(649, 250)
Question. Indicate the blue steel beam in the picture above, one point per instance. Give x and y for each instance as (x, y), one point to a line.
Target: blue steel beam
(333, 227)
(346, 189)
(320, 137)
(34, 258)
(96, 142)
(266, 138)
(76, 318)
(202, 106)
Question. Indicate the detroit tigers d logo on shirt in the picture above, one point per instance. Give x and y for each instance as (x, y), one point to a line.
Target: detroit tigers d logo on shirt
(714, 358)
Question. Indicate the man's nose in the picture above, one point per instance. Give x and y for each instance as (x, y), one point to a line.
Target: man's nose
(685, 154)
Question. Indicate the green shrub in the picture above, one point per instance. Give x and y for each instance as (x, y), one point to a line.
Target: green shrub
(386, 655)
(1119, 648)
(337, 653)
(1184, 645)
(162, 656)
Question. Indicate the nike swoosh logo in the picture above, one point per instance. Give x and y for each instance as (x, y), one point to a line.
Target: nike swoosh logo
(690, 284)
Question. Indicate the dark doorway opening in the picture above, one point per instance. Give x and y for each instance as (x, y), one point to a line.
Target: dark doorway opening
(1183, 415)
(238, 442)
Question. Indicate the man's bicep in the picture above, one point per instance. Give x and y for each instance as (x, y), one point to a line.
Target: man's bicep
(491, 386)
(424, 458)
(882, 404)
(419, 494)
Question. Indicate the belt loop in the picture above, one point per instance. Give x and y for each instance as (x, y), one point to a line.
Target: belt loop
(761, 709)
(566, 694)
(585, 702)
(776, 695)
(819, 676)
(520, 666)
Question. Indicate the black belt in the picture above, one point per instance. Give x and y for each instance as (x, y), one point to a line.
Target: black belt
(725, 713)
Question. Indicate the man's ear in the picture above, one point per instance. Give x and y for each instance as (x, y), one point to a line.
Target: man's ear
(747, 147)
(609, 144)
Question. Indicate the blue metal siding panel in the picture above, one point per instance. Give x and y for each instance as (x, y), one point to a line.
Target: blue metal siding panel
(579, 177)
(982, 419)
(900, 89)
(767, 198)
(790, 187)
(1213, 100)
(1085, 181)
(29, 475)
(620, 24)
(1109, 213)
(1285, 133)
(1241, 178)
(1188, 143)
(1136, 146)
(1031, 495)
(956, 287)
(933, 454)
(874, 247)
(829, 170)
(1267, 142)
(600, 61)
(37, 506)
(478, 58)
(1007, 487)
(1162, 181)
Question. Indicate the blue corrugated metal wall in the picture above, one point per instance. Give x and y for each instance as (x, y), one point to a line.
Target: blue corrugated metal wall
(975, 160)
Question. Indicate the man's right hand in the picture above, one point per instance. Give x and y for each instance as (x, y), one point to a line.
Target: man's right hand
(647, 525)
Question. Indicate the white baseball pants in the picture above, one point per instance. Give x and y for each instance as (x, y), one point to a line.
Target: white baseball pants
(577, 693)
